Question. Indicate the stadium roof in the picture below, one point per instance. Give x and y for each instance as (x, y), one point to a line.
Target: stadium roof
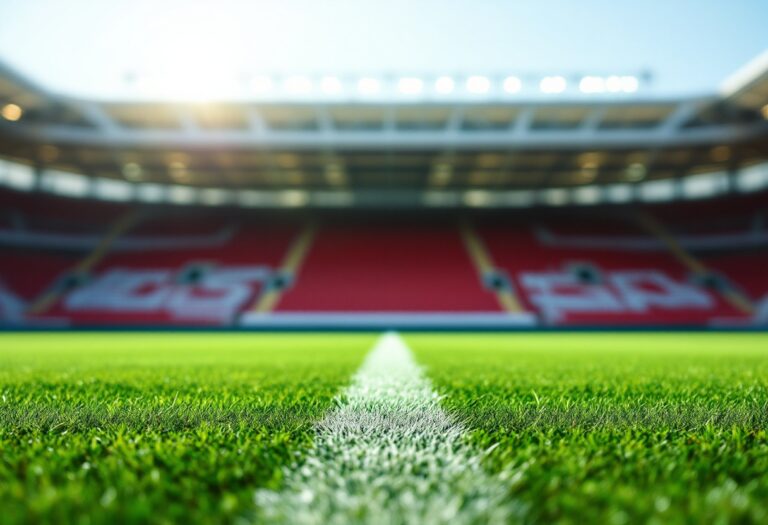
(490, 142)
(748, 87)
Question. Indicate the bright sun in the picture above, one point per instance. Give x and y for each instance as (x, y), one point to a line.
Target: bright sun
(197, 55)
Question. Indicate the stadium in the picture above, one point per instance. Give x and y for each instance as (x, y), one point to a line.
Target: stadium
(321, 296)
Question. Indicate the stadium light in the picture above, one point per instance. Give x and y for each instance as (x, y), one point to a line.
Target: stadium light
(298, 85)
(720, 153)
(629, 84)
(64, 183)
(512, 84)
(150, 192)
(410, 85)
(293, 198)
(368, 86)
(556, 84)
(113, 190)
(188, 84)
(704, 185)
(588, 172)
(440, 198)
(334, 174)
(12, 112)
(49, 152)
(618, 193)
(261, 84)
(215, 196)
(444, 85)
(190, 87)
(753, 178)
(132, 171)
(478, 198)
(178, 171)
(333, 198)
(613, 84)
(555, 196)
(181, 194)
(636, 171)
(442, 174)
(591, 84)
(17, 176)
(657, 190)
(478, 85)
(331, 85)
(586, 195)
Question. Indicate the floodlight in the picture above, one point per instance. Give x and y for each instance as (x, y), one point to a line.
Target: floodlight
(512, 84)
(298, 85)
(555, 196)
(442, 173)
(261, 84)
(334, 174)
(410, 85)
(478, 198)
(12, 112)
(556, 84)
(477, 84)
(444, 85)
(132, 171)
(113, 190)
(330, 85)
(178, 171)
(613, 84)
(591, 84)
(629, 84)
(64, 183)
(368, 86)
(636, 171)
(150, 192)
(292, 198)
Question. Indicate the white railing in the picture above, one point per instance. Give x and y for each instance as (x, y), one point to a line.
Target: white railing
(21, 177)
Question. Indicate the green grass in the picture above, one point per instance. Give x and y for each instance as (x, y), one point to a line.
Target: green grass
(160, 428)
(615, 428)
(591, 428)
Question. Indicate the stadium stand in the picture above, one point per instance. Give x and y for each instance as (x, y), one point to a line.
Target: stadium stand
(144, 267)
(386, 267)
(197, 277)
(149, 266)
(730, 238)
(555, 210)
(42, 237)
(592, 274)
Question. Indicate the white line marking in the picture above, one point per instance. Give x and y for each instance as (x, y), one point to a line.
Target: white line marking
(388, 454)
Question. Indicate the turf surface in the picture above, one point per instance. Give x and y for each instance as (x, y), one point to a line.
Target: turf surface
(598, 428)
(615, 428)
(158, 428)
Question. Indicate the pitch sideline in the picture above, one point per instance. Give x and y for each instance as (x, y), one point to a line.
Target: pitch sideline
(387, 454)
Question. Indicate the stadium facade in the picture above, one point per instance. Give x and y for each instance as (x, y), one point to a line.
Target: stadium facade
(582, 204)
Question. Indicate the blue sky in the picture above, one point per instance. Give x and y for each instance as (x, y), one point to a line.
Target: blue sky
(87, 46)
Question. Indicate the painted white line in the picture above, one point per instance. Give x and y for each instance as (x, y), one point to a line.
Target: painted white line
(388, 454)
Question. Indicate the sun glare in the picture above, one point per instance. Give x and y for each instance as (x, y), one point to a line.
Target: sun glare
(198, 56)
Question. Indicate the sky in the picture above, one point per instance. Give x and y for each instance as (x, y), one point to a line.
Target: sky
(94, 47)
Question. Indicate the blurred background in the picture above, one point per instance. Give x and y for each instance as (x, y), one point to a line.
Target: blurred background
(350, 164)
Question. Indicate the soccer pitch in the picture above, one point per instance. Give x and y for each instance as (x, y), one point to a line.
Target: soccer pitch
(241, 428)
